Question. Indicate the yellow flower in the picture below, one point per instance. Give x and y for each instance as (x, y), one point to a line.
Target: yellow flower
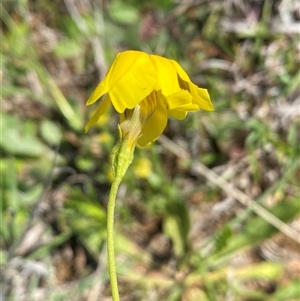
(143, 168)
(145, 89)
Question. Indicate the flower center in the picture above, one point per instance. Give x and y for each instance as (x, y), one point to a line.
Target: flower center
(133, 120)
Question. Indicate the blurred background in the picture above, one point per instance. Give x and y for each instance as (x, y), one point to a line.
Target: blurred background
(198, 214)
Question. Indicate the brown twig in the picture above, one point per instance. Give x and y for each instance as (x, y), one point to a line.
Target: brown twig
(231, 191)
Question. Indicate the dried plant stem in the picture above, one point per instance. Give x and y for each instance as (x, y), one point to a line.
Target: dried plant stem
(247, 201)
(232, 191)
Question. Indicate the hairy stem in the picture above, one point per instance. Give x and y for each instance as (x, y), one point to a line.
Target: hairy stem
(122, 156)
(110, 239)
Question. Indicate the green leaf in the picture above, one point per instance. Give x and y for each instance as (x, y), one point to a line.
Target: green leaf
(68, 49)
(51, 132)
(258, 229)
(8, 184)
(264, 270)
(123, 13)
(290, 292)
(222, 238)
(84, 163)
(172, 229)
(18, 138)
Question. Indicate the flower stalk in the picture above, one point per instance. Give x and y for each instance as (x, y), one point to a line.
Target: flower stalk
(122, 156)
(145, 90)
(110, 239)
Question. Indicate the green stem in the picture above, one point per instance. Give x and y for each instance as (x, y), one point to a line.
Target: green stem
(122, 156)
(110, 239)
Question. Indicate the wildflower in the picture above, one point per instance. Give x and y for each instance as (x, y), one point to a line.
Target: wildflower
(145, 90)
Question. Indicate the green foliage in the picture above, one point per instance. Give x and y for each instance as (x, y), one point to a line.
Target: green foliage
(19, 138)
(222, 238)
(86, 219)
(287, 293)
(50, 132)
(123, 13)
(52, 174)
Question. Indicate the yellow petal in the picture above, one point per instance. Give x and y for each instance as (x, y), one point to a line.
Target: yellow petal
(132, 121)
(148, 106)
(103, 106)
(181, 99)
(156, 123)
(200, 96)
(129, 80)
(100, 90)
(167, 80)
(180, 115)
(180, 71)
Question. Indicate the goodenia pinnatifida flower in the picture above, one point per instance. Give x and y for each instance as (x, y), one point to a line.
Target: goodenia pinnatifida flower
(145, 90)
(154, 86)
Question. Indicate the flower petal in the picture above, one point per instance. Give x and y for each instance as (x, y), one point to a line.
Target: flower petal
(103, 106)
(167, 80)
(100, 90)
(181, 99)
(156, 123)
(180, 115)
(129, 80)
(180, 71)
(200, 96)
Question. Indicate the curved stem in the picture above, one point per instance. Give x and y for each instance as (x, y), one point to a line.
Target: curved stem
(110, 239)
